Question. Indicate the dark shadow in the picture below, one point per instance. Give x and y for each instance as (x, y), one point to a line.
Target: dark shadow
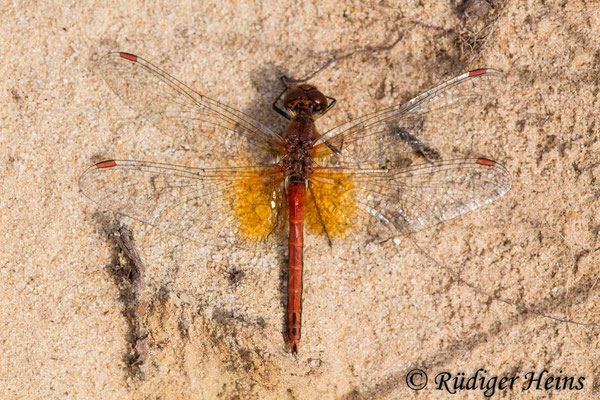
(126, 269)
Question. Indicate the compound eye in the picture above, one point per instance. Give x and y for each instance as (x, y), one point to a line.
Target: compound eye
(319, 99)
(291, 98)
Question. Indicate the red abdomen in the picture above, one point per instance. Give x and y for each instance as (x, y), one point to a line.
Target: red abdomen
(296, 197)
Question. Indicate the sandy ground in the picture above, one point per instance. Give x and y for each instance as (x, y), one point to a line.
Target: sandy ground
(199, 323)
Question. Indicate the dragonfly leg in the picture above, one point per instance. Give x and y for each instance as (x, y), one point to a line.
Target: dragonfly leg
(329, 106)
(279, 110)
(319, 215)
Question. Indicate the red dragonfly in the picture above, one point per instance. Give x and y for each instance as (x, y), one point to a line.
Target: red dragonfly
(360, 179)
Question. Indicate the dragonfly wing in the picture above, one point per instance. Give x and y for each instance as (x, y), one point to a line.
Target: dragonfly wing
(386, 137)
(176, 109)
(402, 200)
(240, 206)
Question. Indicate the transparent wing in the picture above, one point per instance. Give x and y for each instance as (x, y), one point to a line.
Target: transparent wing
(240, 206)
(176, 109)
(388, 137)
(385, 202)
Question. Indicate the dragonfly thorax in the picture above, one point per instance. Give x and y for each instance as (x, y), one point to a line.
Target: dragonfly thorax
(297, 160)
(299, 138)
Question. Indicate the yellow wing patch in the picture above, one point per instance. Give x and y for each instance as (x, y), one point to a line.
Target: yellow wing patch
(257, 203)
(330, 203)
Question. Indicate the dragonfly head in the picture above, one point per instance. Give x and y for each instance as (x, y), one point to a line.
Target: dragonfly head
(305, 100)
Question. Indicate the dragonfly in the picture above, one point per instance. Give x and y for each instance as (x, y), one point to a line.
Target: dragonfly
(372, 178)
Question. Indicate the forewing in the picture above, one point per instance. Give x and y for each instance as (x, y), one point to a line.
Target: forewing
(176, 109)
(389, 137)
(240, 206)
(381, 203)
